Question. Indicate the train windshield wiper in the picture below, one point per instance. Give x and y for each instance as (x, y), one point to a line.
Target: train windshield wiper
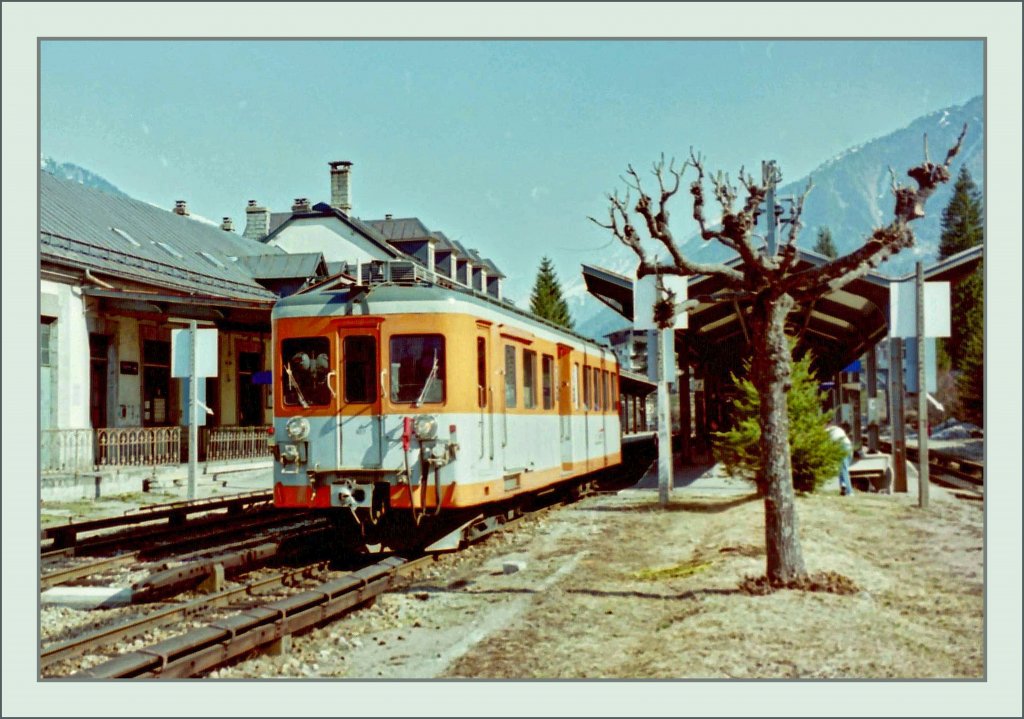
(295, 385)
(429, 383)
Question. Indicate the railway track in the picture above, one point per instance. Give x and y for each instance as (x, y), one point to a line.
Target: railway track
(158, 520)
(256, 627)
(948, 469)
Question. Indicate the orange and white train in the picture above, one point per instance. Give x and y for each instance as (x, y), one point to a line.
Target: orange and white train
(395, 403)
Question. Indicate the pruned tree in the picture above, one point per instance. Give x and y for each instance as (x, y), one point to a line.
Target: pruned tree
(772, 285)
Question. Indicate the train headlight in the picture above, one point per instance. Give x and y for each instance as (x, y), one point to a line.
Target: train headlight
(297, 429)
(425, 427)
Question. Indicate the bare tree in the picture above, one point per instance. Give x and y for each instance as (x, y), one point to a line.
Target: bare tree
(773, 285)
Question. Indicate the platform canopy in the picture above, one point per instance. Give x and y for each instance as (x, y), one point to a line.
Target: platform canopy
(837, 328)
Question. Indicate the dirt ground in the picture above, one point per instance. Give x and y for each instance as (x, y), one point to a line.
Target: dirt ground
(615, 587)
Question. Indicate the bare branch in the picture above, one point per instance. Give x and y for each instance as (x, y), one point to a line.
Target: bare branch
(885, 241)
(789, 252)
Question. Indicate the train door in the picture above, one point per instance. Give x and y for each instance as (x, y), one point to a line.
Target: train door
(359, 395)
(567, 399)
(485, 398)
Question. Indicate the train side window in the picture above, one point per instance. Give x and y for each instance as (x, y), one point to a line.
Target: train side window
(607, 391)
(360, 353)
(598, 404)
(417, 368)
(586, 387)
(529, 379)
(576, 385)
(481, 372)
(510, 376)
(305, 362)
(547, 381)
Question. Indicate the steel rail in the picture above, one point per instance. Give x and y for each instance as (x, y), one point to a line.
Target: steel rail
(63, 535)
(128, 630)
(197, 530)
(217, 643)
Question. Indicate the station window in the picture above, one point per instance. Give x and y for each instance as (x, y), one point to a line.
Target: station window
(360, 353)
(306, 362)
(529, 379)
(481, 372)
(510, 376)
(547, 381)
(417, 368)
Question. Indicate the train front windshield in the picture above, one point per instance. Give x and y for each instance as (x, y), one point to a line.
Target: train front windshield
(306, 362)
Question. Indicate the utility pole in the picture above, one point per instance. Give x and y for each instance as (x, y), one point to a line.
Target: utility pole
(898, 414)
(768, 178)
(922, 395)
(193, 409)
(665, 351)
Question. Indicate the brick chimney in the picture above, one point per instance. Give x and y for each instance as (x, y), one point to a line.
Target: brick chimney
(302, 204)
(227, 225)
(257, 221)
(181, 208)
(340, 199)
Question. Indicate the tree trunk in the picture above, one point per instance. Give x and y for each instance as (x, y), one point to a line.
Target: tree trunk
(771, 371)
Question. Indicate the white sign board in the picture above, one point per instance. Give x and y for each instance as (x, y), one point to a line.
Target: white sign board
(903, 309)
(645, 294)
(206, 353)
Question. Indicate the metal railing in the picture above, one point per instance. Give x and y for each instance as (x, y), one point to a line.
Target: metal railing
(223, 443)
(65, 450)
(137, 446)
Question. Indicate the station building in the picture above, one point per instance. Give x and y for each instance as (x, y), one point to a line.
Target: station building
(117, 275)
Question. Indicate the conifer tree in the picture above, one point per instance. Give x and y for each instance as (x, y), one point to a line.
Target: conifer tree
(825, 245)
(963, 228)
(546, 299)
(815, 455)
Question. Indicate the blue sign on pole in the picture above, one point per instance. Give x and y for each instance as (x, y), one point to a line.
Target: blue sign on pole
(265, 377)
(853, 366)
(910, 365)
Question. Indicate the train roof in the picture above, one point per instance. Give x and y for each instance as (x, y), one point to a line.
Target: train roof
(344, 300)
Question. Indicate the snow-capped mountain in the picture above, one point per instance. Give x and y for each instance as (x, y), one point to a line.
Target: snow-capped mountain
(75, 173)
(851, 196)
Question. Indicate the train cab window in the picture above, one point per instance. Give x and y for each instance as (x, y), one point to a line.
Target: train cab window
(481, 372)
(576, 385)
(417, 369)
(306, 362)
(547, 381)
(510, 376)
(360, 356)
(529, 379)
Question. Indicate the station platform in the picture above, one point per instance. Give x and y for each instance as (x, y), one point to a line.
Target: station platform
(212, 478)
(712, 479)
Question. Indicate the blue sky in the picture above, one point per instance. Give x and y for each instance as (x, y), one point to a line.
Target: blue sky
(507, 146)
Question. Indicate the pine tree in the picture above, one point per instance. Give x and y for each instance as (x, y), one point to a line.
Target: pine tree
(815, 455)
(825, 245)
(546, 299)
(962, 222)
(962, 228)
(971, 322)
